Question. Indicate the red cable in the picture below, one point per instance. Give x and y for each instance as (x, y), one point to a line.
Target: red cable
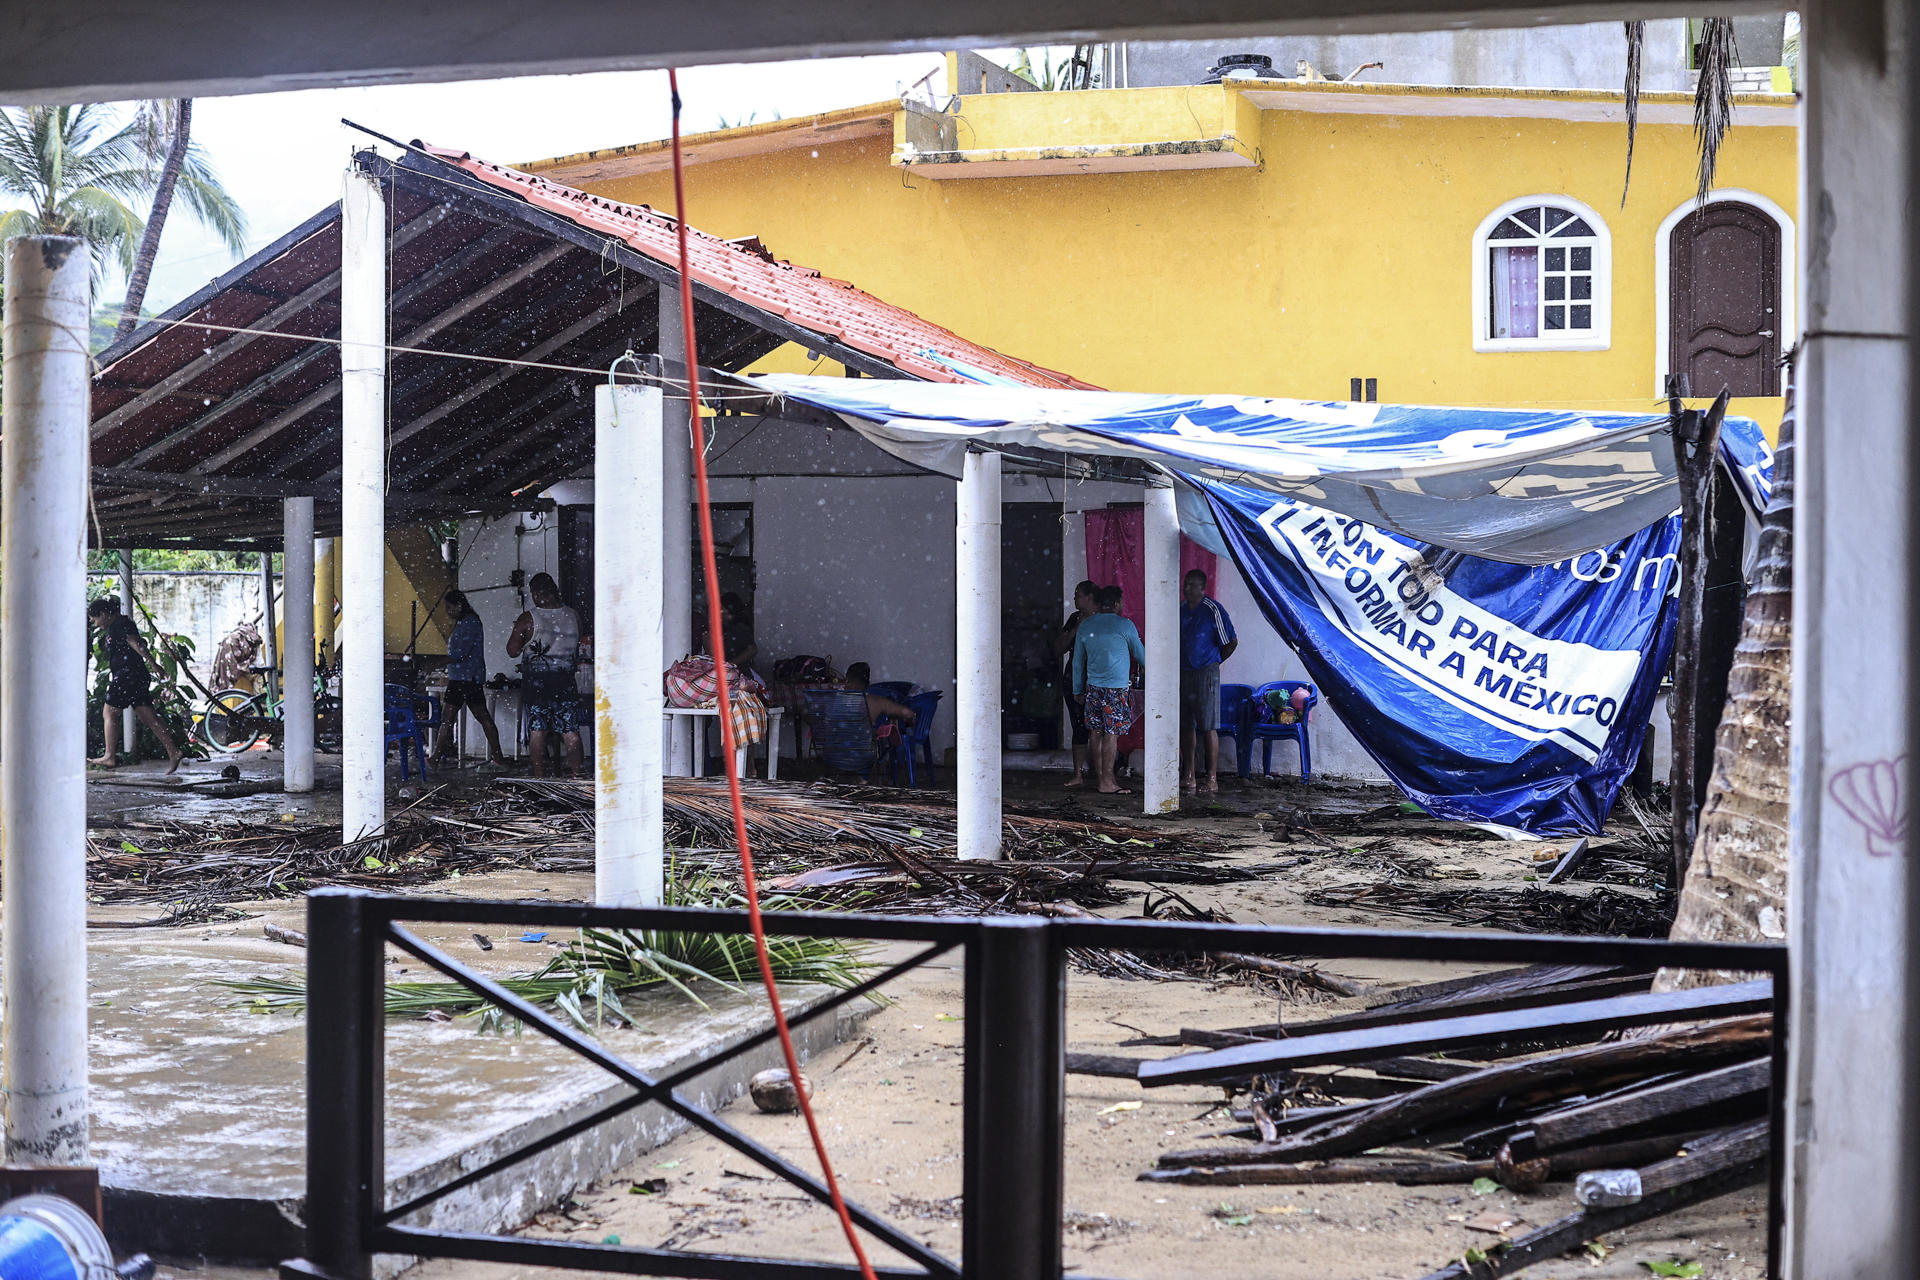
(712, 573)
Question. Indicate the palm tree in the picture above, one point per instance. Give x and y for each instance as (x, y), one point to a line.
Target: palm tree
(78, 172)
(1736, 883)
(166, 128)
(1712, 94)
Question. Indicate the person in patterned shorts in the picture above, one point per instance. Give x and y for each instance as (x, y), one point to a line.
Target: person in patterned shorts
(1104, 648)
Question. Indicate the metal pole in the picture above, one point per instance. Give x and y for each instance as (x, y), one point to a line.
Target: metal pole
(363, 417)
(676, 496)
(267, 629)
(1160, 784)
(629, 859)
(976, 611)
(127, 720)
(1015, 1102)
(296, 589)
(346, 1030)
(43, 795)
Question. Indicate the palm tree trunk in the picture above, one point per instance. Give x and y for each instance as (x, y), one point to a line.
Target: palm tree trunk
(1736, 885)
(156, 219)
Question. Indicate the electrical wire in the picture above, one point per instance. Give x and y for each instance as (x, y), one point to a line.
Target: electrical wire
(711, 569)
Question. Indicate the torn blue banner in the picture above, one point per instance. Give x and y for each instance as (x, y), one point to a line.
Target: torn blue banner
(1501, 694)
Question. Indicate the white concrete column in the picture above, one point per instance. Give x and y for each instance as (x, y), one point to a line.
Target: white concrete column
(43, 793)
(127, 721)
(629, 842)
(676, 495)
(363, 544)
(976, 611)
(296, 588)
(1160, 783)
(1852, 637)
(268, 630)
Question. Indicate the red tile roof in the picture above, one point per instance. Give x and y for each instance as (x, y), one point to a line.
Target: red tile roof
(802, 295)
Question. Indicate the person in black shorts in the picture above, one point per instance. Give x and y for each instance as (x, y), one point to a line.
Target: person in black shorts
(466, 673)
(128, 662)
(1084, 607)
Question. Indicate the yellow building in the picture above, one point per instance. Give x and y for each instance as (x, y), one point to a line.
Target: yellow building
(1311, 239)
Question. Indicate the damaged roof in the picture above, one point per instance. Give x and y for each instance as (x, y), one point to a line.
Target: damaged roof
(206, 416)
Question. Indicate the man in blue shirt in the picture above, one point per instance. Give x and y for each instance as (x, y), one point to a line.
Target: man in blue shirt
(1104, 648)
(1207, 639)
(466, 672)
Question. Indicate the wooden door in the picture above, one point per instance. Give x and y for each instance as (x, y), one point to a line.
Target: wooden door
(1724, 285)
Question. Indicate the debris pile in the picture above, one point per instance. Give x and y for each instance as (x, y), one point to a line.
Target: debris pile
(1519, 1077)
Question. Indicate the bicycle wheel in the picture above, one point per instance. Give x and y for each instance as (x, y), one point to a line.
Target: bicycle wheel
(231, 720)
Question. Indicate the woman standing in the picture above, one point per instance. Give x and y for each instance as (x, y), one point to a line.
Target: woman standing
(546, 639)
(1083, 608)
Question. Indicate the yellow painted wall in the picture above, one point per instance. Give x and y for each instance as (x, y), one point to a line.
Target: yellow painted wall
(1347, 253)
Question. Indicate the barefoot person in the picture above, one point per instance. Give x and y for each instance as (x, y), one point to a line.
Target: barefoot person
(546, 639)
(466, 673)
(1207, 639)
(1084, 607)
(128, 661)
(1103, 652)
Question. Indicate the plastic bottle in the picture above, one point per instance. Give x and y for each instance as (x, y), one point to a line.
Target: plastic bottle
(1607, 1188)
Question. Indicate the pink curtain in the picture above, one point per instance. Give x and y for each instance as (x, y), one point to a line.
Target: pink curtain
(1115, 542)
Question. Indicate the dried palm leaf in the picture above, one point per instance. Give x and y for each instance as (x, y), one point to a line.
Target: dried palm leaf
(1636, 44)
(1713, 95)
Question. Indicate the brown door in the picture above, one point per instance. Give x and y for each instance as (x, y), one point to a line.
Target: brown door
(1724, 284)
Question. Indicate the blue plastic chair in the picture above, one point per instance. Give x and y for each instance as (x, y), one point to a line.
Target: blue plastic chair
(916, 738)
(403, 728)
(1258, 731)
(842, 733)
(894, 689)
(1233, 705)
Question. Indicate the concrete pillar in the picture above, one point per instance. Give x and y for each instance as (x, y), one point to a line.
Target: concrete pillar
(1853, 522)
(296, 579)
(43, 793)
(676, 496)
(127, 721)
(976, 612)
(629, 859)
(363, 550)
(326, 572)
(1160, 783)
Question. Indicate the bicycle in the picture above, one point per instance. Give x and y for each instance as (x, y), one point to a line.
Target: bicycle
(235, 720)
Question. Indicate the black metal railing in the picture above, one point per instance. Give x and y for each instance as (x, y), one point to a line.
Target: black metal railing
(1013, 1094)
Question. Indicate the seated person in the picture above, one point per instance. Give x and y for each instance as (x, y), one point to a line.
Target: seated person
(859, 676)
(736, 632)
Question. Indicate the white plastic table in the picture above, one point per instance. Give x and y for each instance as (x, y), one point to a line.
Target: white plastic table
(693, 716)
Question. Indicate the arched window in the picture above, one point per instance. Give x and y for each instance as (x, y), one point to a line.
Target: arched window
(1542, 277)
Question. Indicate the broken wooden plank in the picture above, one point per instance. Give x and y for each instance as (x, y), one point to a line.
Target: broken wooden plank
(1337, 1047)
(1569, 862)
(1528, 1082)
(1570, 1232)
(1556, 1131)
(1116, 1065)
(1407, 1173)
(1717, 1153)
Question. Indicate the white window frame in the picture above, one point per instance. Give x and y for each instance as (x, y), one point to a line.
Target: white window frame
(1599, 337)
(1662, 279)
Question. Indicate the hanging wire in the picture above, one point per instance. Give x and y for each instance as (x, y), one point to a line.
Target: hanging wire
(715, 632)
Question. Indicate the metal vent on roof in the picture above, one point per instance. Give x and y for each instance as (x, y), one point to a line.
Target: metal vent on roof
(1241, 66)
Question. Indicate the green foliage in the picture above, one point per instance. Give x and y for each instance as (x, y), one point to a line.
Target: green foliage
(164, 560)
(1684, 1270)
(588, 977)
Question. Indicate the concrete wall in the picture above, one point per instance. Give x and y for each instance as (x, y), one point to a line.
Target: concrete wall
(1587, 56)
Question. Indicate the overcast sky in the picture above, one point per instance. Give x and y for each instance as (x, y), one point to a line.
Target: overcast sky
(282, 154)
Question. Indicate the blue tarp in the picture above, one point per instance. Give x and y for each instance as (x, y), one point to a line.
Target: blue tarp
(1511, 686)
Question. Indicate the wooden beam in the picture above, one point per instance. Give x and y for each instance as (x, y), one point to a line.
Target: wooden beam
(1447, 1033)
(1574, 1125)
(402, 236)
(171, 482)
(420, 333)
(1696, 455)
